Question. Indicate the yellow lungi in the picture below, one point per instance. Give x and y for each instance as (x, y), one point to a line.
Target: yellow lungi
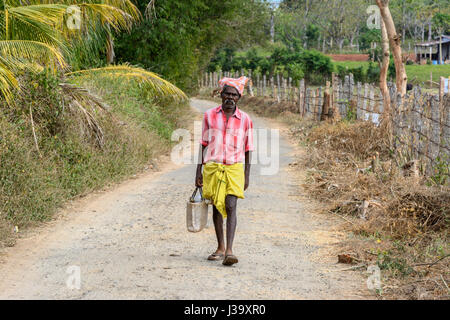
(220, 180)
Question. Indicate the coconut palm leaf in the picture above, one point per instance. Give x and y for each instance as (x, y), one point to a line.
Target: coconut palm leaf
(7, 81)
(107, 15)
(50, 14)
(33, 23)
(33, 51)
(154, 83)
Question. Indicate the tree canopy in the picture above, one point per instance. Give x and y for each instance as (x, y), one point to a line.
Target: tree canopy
(178, 38)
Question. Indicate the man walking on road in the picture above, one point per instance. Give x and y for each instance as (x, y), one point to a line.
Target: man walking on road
(227, 138)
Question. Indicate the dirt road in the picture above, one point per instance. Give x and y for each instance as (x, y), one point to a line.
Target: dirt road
(131, 242)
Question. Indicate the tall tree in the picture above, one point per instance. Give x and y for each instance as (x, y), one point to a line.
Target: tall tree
(384, 69)
(395, 44)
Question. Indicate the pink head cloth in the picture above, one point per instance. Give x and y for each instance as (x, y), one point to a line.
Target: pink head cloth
(239, 84)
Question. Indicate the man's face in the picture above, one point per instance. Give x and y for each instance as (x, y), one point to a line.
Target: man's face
(230, 97)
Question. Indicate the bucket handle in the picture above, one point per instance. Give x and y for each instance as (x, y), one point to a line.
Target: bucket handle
(195, 192)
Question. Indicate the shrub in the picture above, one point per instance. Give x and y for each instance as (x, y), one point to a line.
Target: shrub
(316, 66)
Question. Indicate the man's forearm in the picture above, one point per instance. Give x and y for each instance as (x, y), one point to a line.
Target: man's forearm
(248, 160)
(200, 158)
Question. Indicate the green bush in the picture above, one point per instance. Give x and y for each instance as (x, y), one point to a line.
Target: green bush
(317, 64)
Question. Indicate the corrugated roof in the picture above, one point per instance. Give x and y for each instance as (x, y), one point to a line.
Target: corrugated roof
(432, 43)
(445, 39)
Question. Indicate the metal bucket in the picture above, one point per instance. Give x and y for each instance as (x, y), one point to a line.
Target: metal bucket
(196, 216)
(196, 212)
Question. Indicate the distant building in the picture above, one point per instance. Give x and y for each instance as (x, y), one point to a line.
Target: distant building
(431, 50)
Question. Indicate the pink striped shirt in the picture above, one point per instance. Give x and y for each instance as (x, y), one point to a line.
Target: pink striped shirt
(226, 142)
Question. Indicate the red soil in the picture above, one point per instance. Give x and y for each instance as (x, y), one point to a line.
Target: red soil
(349, 57)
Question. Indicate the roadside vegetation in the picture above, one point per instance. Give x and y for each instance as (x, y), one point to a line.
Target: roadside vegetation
(78, 152)
(395, 220)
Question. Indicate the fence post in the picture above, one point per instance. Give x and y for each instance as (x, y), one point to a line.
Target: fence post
(319, 103)
(250, 83)
(301, 98)
(371, 103)
(435, 131)
(351, 86)
(281, 88)
(358, 100)
(423, 133)
(307, 102)
(290, 90)
(326, 103)
(286, 90)
(258, 85)
(334, 106)
(445, 117)
(272, 84)
(446, 125)
(346, 92)
(313, 104)
(442, 106)
(278, 88)
(365, 101)
(416, 126)
(409, 123)
(340, 98)
(264, 86)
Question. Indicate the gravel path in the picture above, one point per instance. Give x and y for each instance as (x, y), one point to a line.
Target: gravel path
(131, 242)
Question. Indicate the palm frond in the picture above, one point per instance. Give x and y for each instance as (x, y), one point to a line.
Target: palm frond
(34, 23)
(50, 14)
(126, 6)
(81, 100)
(83, 95)
(34, 51)
(8, 81)
(108, 15)
(159, 87)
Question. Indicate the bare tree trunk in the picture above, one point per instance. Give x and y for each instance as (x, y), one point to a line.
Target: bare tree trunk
(429, 30)
(384, 70)
(341, 44)
(272, 28)
(423, 32)
(394, 41)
